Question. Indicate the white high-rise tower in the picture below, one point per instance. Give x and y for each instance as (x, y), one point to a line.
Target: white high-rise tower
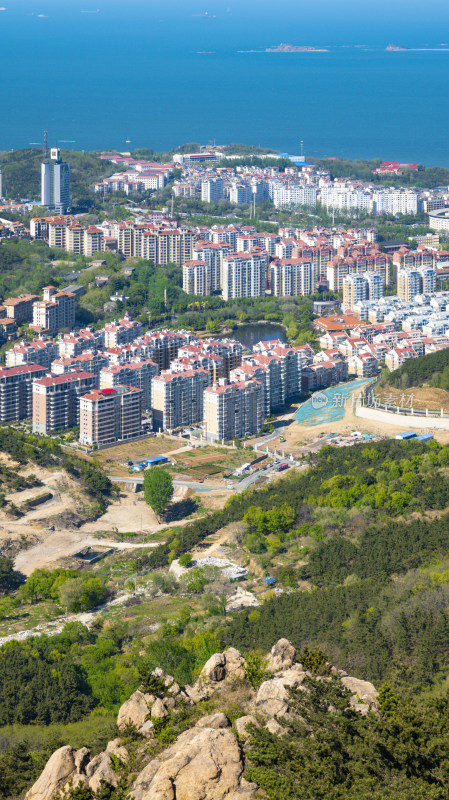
(55, 181)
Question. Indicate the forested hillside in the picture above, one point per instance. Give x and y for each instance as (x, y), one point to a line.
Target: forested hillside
(22, 172)
(358, 544)
(432, 369)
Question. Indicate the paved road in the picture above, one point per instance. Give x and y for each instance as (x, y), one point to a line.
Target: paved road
(139, 480)
(277, 432)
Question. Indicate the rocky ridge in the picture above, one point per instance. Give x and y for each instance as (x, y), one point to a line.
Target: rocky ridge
(207, 761)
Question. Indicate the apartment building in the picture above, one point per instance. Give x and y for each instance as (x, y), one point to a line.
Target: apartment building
(72, 344)
(39, 226)
(195, 277)
(412, 282)
(240, 193)
(358, 288)
(20, 308)
(163, 346)
(412, 259)
(55, 311)
(256, 372)
(39, 351)
(212, 190)
(292, 277)
(340, 267)
(16, 391)
(121, 332)
(243, 275)
(319, 256)
(192, 357)
(233, 410)
(292, 360)
(396, 357)
(135, 373)
(293, 195)
(346, 198)
(395, 201)
(56, 400)
(87, 361)
(177, 398)
(323, 374)
(228, 349)
(93, 241)
(276, 384)
(212, 254)
(110, 415)
(74, 238)
(175, 246)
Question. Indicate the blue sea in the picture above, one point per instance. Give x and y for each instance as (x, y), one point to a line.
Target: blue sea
(161, 74)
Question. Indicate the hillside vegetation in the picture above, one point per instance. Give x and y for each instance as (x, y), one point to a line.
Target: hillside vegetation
(432, 369)
(358, 544)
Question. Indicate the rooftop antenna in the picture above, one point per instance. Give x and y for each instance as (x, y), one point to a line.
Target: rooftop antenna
(45, 145)
(302, 149)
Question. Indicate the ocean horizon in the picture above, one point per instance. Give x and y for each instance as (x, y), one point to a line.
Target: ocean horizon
(161, 76)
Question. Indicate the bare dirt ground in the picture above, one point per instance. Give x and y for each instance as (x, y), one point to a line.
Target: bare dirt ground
(128, 514)
(215, 499)
(57, 545)
(301, 437)
(113, 458)
(66, 498)
(425, 397)
(222, 537)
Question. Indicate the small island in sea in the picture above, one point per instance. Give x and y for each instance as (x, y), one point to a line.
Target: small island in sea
(291, 48)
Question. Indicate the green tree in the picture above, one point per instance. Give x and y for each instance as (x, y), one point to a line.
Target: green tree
(9, 578)
(80, 594)
(158, 489)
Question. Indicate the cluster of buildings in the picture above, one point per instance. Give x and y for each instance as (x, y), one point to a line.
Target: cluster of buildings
(238, 261)
(135, 175)
(304, 185)
(368, 345)
(56, 310)
(116, 383)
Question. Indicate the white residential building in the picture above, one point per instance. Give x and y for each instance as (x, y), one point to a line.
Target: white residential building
(292, 277)
(243, 275)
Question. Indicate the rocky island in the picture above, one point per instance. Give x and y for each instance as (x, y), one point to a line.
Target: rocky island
(291, 48)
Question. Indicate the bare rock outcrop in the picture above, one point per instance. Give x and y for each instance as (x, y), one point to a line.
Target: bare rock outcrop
(364, 694)
(203, 764)
(220, 667)
(215, 721)
(272, 697)
(101, 769)
(214, 669)
(282, 656)
(117, 749)
(241, 725)
(135, 710)
(158, 710)
(69, 767)
(59, 768)
(206, 762)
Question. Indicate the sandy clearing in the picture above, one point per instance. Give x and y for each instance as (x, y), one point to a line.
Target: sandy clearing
(425, 397)
(59, 545)
(297, 434)
(130, 514)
